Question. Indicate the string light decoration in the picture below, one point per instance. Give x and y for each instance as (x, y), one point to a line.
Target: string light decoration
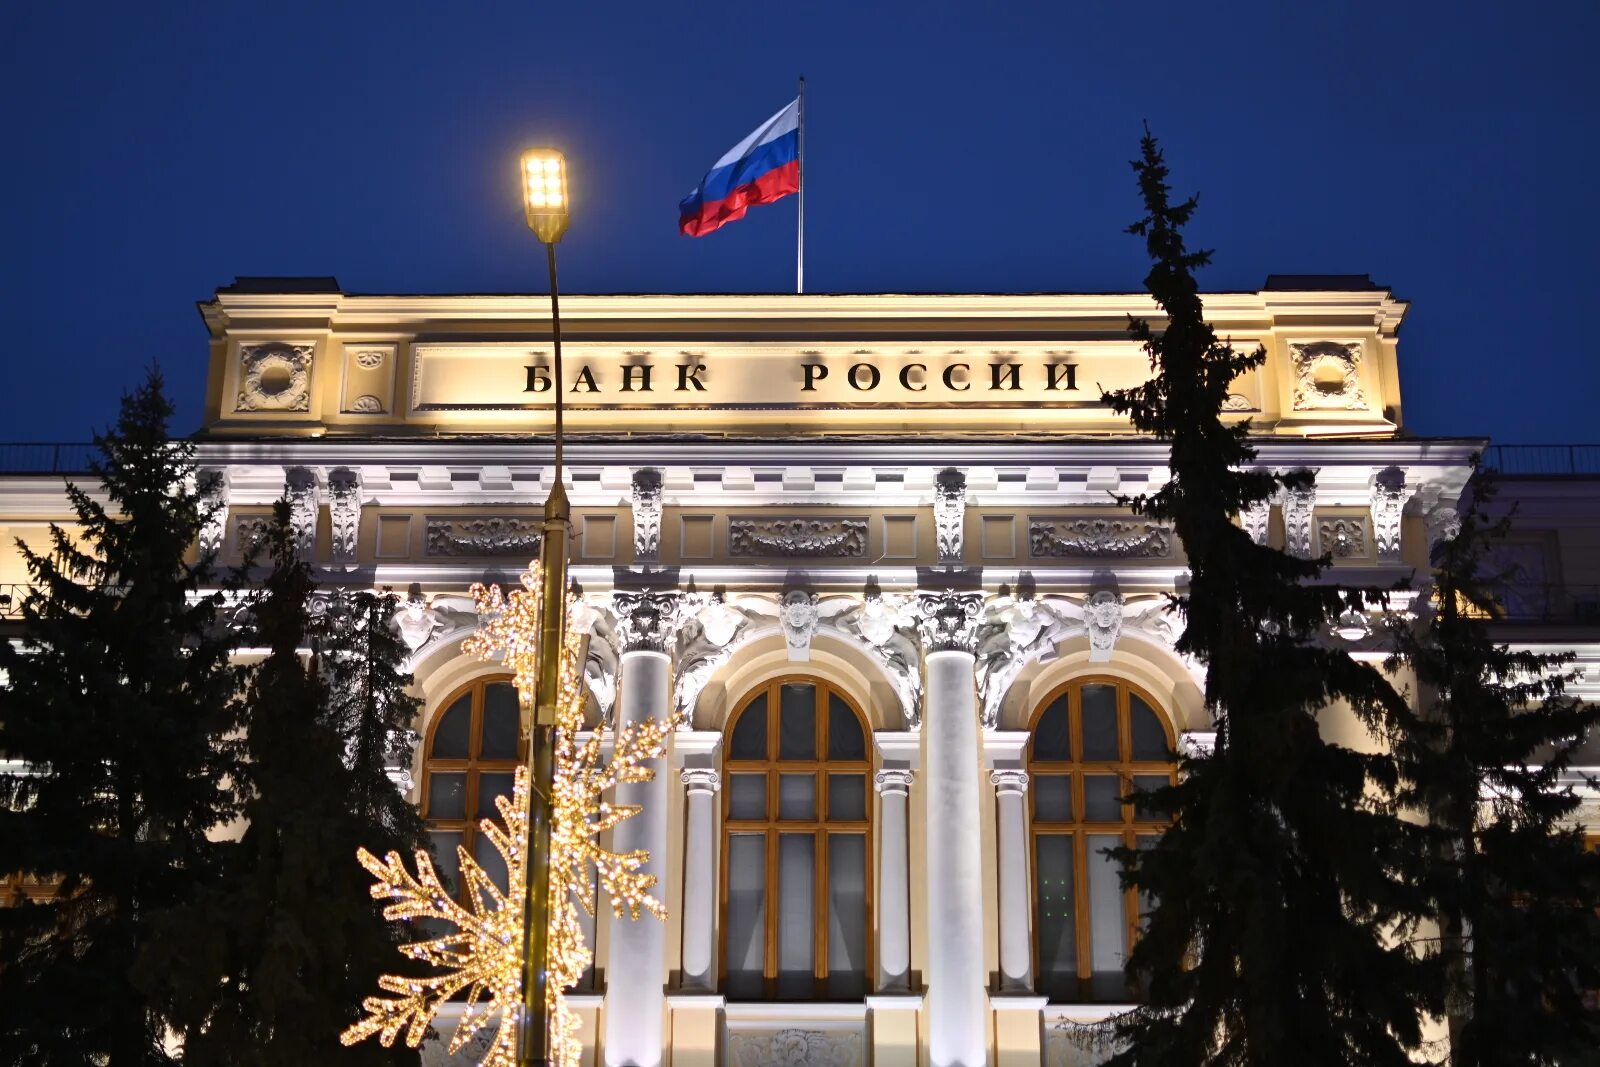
(485, 955)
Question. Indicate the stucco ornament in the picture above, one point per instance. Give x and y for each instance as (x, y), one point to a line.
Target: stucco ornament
(1343, 538)
(1102, 614)
(1016, 631)
(1255, 519)
(416, 622)
(1298, 505)
(1327, 376)
(1388, 507)
(423, 624)
(795, 1048)
(344, 513)
(300, 488)
(212, 485)
(883, 624)
(949, 513)
(706, 643)
(798, 615)
(949, 620)
(803, 536)
(1444, 523)
(647, 621)
(274, 377)
(647, 515)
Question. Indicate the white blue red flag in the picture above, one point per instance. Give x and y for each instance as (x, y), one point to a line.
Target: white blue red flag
(758, 170)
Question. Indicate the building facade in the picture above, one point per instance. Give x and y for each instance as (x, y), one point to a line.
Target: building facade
(869, 551)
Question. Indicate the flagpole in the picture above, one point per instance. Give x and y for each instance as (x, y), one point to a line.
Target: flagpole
(800, 215)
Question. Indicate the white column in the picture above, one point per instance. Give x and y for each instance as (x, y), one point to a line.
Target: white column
(1016, 956)
(894, 883)
(957, 1034)
(700, 879)
(636, 957)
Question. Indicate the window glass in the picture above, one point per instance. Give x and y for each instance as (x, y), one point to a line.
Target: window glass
(847, 797)
(445, 861)
(797, 722)
(1149, 738)
(745, 932)
(847, 916)
(796, 915)
(454, 732)
(501, 722)
(1052, 797)
(1057, 925)
(1102, 798)
(1106, 919)
(750, 732)
(747, 796)
(1099, 722)
(447, 796)
(491, 786)
(493, 864)
(1050, 739)
(845, 739)
(797, 797)
(1147, 783)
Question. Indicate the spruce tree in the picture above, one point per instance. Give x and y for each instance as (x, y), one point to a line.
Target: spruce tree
(118, 704)
(1279, 887)
(1517, 893)
(271, 965)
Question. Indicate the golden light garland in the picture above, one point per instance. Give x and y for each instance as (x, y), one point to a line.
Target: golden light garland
(480, 957)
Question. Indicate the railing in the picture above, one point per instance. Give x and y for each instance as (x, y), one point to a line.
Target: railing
(34, 457)
(11, 598)
(1543, 459)
(1555, 604)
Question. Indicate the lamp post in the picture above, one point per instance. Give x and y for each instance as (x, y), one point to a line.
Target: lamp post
(544, 198)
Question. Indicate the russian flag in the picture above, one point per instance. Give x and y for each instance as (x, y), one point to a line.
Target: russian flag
(758, 170)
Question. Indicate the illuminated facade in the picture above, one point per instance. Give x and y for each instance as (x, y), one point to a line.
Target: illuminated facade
(869, 546)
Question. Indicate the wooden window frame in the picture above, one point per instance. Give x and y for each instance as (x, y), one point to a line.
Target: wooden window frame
(822, 827)
(474, 766)
(1079, 828)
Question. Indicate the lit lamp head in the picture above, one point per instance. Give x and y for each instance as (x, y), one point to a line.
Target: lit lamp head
(544, 193)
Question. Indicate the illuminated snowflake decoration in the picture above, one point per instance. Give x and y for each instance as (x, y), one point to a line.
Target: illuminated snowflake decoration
(483, 954)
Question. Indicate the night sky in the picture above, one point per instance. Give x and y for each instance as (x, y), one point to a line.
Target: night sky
(154, 151)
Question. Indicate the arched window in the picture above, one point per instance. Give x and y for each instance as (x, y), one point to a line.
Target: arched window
(473, 751)
(1095, 742)
(795, 870)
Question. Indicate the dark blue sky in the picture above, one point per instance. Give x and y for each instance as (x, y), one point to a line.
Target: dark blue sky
(154, 151)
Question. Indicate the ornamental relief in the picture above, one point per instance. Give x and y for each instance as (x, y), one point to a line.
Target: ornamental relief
(1343, 537)
(274, 377)
(1327, 376)
(483, 537)
(1099, 539)
(791, 537)
(794, 1048)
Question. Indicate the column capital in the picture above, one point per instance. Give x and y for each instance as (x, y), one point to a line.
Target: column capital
(647, 620)
(701, 779)
(949, 619)
(1009, 780)
(895, 781)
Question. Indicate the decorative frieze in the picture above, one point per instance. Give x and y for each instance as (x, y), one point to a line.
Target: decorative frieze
(483, 537)
(949, 513)
(1342, 537)
(344, 513)
(949, 620)
(1327, 376)
(300, 489)
(1099, 539)
(647, 515)
(786, 1048)
(818, 538)
(274, 377)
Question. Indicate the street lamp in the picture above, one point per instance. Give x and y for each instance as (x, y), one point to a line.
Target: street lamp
(545, 203)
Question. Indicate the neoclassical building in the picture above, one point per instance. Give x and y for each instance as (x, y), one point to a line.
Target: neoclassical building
(868, 551)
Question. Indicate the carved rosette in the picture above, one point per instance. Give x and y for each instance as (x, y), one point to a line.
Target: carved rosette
(701, 779)
(1099, 539)
(483, 537)
(1255, 520)
(1297, 506)
(1009, 780)
(949, 513)
(894, 781)
(1327, 376)
(831, 538)
(1388, 506)
(344, 513)
(300, 489)
(1343, 538)
(647, 621)
(212, 485)
(274, 377)
(949, 620)
(647, 515)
